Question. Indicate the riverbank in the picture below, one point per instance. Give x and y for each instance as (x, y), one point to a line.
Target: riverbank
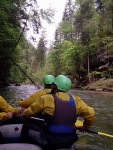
(100, 85)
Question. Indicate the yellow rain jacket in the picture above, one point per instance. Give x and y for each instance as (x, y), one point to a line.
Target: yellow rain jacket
(5, 108)
(46, 105)
(28, 101)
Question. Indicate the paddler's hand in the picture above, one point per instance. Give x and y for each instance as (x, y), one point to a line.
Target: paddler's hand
(10, 115)
(20, 101)
(81, 129)
(23, 117)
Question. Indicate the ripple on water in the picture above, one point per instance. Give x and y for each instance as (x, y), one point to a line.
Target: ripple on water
(14, 93)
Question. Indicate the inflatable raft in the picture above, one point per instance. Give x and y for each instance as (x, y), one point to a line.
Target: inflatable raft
(19, 146)
(14, 135)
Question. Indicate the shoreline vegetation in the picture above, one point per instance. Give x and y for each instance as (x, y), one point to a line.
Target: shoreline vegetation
(100, 85)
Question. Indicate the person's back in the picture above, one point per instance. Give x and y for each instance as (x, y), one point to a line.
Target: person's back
(62, 85)
(47, 80)
(81, 108)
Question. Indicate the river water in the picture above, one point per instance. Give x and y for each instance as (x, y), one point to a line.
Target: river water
(102, 102)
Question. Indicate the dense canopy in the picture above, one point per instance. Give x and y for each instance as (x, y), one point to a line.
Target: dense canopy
(82, 47)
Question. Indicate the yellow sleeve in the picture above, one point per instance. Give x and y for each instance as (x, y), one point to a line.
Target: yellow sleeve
(34, 108)
(5, 107)
(3, 116)
(28, 101)
(85, 111)
(44, 104)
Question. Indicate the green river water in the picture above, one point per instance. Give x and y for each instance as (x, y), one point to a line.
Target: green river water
(102, 102)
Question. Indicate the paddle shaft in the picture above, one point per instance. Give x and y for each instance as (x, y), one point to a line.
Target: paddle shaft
(38, 119)
(89, 131)
(80, 124)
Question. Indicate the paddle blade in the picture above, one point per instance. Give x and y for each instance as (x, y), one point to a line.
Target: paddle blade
(80, 124)
(104, 134)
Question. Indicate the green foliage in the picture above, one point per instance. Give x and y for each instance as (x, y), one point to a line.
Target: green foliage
(108, 43)
(68, 53)
(65, 27)
(83, 41)
(13, 20)
(71, 59)
(16, 76)
(55, 59)
(46, 69)
(90, 26)
(96, 73)
(8, 35)
(41, 52)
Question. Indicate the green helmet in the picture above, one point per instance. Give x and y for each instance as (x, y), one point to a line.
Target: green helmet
(63, 83)
(48, 79)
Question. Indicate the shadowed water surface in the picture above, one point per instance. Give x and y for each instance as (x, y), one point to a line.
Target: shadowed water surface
(102, 102)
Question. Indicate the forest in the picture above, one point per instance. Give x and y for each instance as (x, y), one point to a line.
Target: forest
(82, 47)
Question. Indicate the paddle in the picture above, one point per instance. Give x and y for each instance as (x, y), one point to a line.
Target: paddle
(38, 119)
(80, 124)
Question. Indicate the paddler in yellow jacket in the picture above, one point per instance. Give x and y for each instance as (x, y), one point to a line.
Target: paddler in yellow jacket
(47, 80)
(46, 104)
(6, 110)
(60, 110)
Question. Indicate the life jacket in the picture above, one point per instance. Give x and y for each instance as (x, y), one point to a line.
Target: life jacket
(64, 116)
(60, 131)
